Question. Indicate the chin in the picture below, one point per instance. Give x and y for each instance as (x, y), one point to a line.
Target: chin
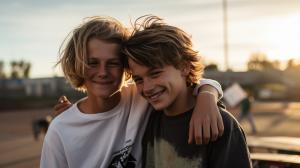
(158, 107)
(104, 95)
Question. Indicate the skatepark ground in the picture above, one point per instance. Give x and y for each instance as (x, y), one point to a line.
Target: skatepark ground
(18, 149)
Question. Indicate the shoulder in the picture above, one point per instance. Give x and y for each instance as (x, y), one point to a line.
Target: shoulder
(131, 95)
(233, 136)
(230, 123)
(65, 115)
(128, 90)
(60, 121)
(52, 137)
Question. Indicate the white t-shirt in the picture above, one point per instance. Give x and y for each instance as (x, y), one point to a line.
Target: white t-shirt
(109, 139)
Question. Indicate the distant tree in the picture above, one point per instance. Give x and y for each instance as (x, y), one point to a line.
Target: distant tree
(291, 64)
(27, 69)
(211, 67)
(20, 69)
(259, 61)
(14, 72)
(2, 74)
(276, 64)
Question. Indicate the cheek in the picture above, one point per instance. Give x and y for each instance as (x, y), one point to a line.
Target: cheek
(119, 72)
(89, 72)
(139, 88)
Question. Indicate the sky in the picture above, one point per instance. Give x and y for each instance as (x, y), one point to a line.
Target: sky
(33, 30)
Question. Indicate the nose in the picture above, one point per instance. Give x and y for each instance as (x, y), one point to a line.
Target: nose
(148, 87)
(102, 71)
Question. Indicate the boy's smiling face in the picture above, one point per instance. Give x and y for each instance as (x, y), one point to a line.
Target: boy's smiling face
(104, 75)
(163, 87)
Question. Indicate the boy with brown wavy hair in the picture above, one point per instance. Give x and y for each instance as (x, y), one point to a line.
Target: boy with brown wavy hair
(165, 69)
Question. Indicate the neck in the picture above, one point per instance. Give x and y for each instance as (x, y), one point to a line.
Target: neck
(184, 102)
(93, 105)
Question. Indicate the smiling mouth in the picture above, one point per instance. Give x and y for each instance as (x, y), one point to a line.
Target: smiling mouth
(103, 83)
(155, 96)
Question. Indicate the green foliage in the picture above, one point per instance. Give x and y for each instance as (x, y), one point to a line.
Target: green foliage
(2, 74)
(20, 69)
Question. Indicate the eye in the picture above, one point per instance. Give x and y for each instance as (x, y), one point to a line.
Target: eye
(137, 80)
(155, 74)
(114, 63)
(92, 63)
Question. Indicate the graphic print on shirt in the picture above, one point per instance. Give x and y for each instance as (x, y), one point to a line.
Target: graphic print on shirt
(163, 154)
(123, 159)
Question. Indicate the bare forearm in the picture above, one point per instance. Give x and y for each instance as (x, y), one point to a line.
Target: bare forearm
(208, 89)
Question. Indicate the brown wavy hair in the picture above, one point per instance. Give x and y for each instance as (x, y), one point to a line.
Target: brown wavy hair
(153, 43)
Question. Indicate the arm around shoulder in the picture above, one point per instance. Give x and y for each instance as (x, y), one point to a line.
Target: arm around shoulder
(215, 84)
(206, 123)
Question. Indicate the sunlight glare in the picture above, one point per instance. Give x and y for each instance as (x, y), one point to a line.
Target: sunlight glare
(284, 37)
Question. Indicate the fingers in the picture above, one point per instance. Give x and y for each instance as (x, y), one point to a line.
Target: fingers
(206, 131)
(201, 132)
(59, 108)
(214, 130)
(216, 126)
(198, 134)
(220, 125)
(191, 132)
(63, 99)
(209, 130)
(62, 105)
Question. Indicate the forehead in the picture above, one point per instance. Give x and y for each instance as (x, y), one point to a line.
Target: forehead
(139, 69)
(100, 48)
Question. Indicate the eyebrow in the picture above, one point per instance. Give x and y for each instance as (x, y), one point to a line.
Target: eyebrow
(110, 59)
(154, 69)
(148, 72)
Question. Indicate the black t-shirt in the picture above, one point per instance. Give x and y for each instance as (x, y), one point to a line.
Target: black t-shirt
(165, 144)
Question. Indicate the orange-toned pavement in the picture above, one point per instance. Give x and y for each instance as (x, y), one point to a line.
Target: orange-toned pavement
(19, 150)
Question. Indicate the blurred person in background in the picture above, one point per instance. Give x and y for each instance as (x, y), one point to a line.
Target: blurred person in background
(245, 113)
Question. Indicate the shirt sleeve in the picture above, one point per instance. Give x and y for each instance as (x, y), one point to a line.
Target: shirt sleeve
(210, 82)
(231, 149)
(53, 155)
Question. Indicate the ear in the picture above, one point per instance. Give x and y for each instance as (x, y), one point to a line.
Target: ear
(186, 68)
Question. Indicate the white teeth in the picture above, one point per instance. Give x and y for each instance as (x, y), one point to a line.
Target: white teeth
(156, 95)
